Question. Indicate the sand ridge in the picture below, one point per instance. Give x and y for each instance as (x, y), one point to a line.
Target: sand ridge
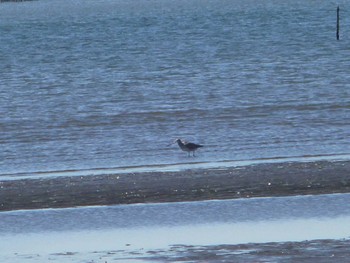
(261, 180)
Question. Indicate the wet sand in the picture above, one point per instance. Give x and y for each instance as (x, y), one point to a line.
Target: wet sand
(322, 251)
(278, 179)
(306, 251)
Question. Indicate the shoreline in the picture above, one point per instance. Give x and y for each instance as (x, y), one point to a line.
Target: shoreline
(328, 250)
(259, 180)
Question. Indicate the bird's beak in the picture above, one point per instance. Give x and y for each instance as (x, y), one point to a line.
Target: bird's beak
(171, 143)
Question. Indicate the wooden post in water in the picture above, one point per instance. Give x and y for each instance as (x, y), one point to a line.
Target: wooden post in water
(338, 23)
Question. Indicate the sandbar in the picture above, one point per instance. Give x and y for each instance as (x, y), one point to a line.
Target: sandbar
(260, 180)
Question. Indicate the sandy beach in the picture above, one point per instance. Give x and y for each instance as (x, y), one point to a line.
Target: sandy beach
(278, 179)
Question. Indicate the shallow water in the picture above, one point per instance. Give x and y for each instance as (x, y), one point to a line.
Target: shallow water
(190, 165)
(132, 231)
(105, 84)
(175, 214)
(94, 87)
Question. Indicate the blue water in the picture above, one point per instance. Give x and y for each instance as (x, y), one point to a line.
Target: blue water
(211, 212)
(110, 83)
(145, 230)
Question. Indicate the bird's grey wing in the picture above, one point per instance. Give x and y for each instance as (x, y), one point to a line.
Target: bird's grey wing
(191, 145)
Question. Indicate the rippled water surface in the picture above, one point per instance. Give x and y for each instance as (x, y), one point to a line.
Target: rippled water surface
(99, 84)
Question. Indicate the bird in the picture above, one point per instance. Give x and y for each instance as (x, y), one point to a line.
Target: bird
(188, 146)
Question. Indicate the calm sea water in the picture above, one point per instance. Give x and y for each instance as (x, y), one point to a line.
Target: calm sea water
(109, 83)
(163, 232)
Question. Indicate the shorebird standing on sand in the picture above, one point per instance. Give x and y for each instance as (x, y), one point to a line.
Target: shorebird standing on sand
(187, 146)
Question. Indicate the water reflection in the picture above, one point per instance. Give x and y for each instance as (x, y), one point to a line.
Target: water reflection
(162, 237)
(175, 214)
(155, 226)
